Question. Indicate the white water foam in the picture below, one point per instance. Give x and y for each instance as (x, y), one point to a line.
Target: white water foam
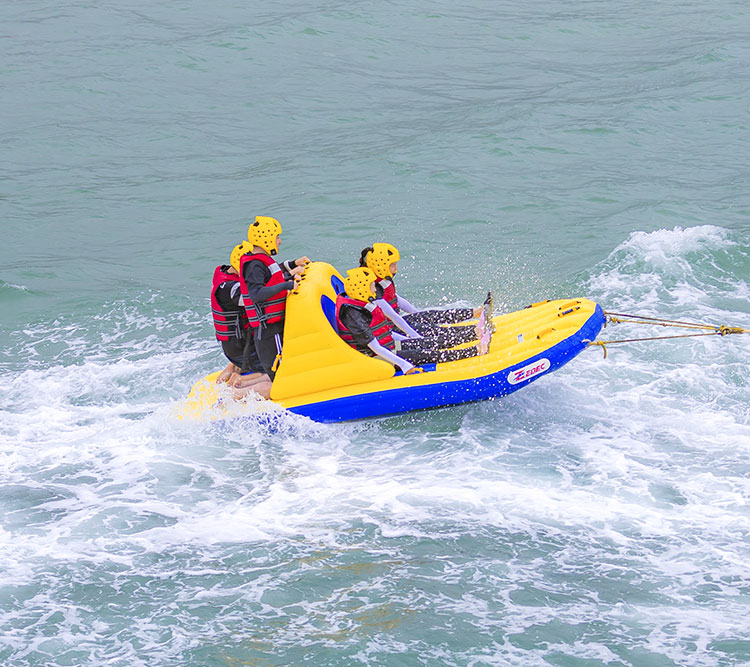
(6, 285)
(614, 491)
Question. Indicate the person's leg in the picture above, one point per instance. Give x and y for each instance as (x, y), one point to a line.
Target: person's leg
(268, 344)
(261, 386)
(227, 373)
(441, 337)
(246, 357)
(248, 380)
(420, 357)
(234, 350)
(425, 318)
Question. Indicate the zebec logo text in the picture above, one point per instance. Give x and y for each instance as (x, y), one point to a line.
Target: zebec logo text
(529, 371)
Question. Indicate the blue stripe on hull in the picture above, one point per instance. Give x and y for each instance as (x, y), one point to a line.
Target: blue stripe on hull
(394, 401)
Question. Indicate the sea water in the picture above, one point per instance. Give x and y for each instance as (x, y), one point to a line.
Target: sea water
(548, 150)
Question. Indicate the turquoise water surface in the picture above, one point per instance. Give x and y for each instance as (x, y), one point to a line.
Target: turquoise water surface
(546, 150)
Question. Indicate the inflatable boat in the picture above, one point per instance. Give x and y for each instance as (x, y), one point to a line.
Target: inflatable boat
(323, 378)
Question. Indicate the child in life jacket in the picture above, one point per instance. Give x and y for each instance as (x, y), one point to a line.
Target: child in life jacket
(233, 329)
(382, 259)
(264, 285)
(363, 325)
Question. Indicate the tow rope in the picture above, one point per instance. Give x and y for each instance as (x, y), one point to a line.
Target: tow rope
(623, 318)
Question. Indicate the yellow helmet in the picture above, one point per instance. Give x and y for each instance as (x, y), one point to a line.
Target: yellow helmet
(380, 258)
(263, 233)
(357, 283)
(239, 250)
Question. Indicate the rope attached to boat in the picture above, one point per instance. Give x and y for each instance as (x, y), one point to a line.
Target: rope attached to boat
(623, 318)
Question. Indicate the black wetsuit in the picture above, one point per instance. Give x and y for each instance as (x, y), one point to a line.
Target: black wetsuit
(427, 324)
(268, 337)
(428, 352)
(228, 297)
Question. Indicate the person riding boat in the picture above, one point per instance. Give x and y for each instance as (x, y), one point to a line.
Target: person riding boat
(363, 325)
(232, 327)
(382, 259)
(264, 285)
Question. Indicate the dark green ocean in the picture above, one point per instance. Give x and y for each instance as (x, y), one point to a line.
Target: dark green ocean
(550, 149)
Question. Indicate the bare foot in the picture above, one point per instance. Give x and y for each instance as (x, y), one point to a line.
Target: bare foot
(261, 388)
(226, 374)
(483, 346)
(242, 381)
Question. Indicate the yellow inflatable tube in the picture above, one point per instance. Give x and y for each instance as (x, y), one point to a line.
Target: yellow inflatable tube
(322, 377)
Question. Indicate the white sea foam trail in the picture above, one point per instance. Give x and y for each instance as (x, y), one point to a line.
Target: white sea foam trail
(605, 505)
(12, 286)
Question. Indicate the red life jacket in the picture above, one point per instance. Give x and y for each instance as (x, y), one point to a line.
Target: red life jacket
(272, 310)
(380, 325)
(228, 323)
(389, 292)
